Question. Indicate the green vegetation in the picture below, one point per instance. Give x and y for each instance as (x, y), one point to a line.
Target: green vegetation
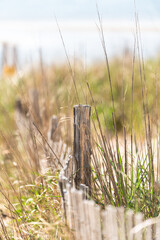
(61, 79)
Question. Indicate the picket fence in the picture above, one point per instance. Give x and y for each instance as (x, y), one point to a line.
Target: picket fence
(89, 222)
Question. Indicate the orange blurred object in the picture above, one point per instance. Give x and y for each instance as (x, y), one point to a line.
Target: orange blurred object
(9, 71)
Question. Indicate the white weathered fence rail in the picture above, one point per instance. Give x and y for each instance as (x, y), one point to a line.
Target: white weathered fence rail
(89, 222)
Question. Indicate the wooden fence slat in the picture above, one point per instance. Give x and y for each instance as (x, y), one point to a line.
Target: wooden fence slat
(69, 207)
(72, 211)
(87, 220)
(91, 219)
(121, 223)
(148, 233)
(80, 212)
(73, 208)
(97, 223)
(157, 230)
(110, 224)
(104, 225)
(83, 217)
(112, 221)
(78, 230)
(62, 185)
(138, 218)
(129, 223)
(75, 213)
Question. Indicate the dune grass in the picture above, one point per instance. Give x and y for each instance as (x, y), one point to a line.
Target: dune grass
(32, 200)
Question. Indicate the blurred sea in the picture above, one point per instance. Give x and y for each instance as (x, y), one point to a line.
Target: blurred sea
(81, 39)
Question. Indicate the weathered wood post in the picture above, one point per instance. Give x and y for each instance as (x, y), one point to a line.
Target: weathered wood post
(53, 133)
(82, 146)
(34, 108)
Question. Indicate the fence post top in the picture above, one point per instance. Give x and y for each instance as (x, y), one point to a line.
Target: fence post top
(53, 117)
(81, 106)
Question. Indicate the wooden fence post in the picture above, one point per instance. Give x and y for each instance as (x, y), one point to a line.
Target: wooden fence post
(54, 130)
(35, 109)
(82, 146)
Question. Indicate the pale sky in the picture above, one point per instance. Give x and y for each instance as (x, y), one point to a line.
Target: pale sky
(77, 9)
(30, 24)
